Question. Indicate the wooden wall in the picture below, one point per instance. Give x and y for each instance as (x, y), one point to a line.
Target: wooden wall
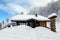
(32, 23)
(42, 23)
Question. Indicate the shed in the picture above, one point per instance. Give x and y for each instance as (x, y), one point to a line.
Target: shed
(52, 18)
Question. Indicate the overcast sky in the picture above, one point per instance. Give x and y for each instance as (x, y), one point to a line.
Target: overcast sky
(11, 7)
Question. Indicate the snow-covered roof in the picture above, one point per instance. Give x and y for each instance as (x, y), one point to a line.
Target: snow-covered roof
(52, 15)
(26, 17)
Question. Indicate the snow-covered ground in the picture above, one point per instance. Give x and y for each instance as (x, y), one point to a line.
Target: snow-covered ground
(24, 32)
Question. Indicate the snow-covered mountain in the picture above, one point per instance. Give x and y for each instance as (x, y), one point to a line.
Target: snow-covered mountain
(23, 32)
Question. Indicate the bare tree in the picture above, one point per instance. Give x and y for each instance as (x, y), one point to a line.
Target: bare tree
(0, 26)
(7, 20)
(3, 22)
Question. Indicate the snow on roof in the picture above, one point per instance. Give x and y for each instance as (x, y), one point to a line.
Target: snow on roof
(51, 15)
(26, 17)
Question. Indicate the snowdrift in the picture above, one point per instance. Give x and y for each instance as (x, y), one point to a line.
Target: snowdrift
(24, 32)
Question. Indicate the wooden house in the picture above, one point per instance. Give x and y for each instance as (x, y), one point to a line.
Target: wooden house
(35, 20)
(30, 20)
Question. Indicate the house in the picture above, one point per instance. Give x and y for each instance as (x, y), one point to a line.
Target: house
(30, 20)
(35, 20)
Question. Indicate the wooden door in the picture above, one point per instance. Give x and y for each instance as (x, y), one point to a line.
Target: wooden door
(43, 24)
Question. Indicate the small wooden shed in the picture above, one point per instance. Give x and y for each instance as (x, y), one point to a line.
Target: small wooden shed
(52, 18)
(35, 20)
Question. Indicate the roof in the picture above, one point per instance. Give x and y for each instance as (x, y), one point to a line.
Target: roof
(52, 15)
(26, 17)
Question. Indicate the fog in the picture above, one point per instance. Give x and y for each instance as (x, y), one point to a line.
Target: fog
(52, 7)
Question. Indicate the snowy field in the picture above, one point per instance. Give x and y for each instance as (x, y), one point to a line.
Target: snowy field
(23, 32)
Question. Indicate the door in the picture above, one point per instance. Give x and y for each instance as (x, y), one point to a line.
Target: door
(43, 24)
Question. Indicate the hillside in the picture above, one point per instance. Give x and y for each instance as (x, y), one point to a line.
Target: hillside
(23, 32)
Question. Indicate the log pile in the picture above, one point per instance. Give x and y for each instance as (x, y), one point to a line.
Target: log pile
(52, 24)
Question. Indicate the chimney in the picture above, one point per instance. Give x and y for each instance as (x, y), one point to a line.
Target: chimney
(22, 13)
(35, 15)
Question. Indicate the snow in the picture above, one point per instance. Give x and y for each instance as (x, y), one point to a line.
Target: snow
(6, 24)
(51, 15)
(26, 17)
(23, 32)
